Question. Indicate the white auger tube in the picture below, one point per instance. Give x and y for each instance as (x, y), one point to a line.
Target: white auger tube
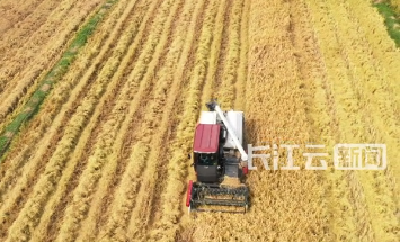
(244, 156)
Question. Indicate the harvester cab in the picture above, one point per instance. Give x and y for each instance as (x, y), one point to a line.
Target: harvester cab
(220, 163)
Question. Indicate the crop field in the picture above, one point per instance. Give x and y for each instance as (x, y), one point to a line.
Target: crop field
(100, 99)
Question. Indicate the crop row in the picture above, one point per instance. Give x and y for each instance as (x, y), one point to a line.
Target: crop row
(21, 81)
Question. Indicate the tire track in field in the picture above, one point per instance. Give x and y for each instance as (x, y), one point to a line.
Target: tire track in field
(102, 198)
(68, 20)
(209, 89)
(323, 113)
(307, 63)
(24, 180)
(13, 15)
(240, 93)
(363, 230)
(223, 49)
(227, 86)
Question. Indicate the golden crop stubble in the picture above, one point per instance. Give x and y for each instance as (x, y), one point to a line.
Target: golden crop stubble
(81, 200)
(11, 17)
(396, 4)
(27, 79)
(171, 204)
(125, 195)
(275, 100)
(380, 206)
(73, 80)
(230, 71)
(214, 53)
(59, 157)
(177, 74)
(120, 50)
(158, 139)
(86, 186)
(240, 100)
(348, 39)
(341, 223)
(386, 64)
(164, 25)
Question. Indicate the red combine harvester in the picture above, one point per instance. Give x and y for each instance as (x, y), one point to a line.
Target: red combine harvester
(220, 163)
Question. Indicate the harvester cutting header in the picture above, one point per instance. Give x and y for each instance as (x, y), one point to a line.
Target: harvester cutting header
(220, 163)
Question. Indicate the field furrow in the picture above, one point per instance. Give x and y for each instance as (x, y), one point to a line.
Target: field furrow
(88, 229)
(22, 21)
(124, 200)
(365, 128)
(124, 69)
(160, 114)
(23, 81)
(210, 85)
(147, 126)
(178, 162)
(231, 61)
(130, 131)
(59, 106)
(20, 186)
(82, 154)
(222, 51)
(96, 160)
(172, 115)
(16, 13)
(240, 94)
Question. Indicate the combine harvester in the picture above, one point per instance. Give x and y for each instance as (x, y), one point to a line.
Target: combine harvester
(220, 163)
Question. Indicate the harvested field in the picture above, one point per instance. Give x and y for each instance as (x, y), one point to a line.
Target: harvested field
(104, 156)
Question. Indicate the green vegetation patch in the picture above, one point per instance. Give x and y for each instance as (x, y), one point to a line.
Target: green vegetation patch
(55, 74)
(392, 20)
